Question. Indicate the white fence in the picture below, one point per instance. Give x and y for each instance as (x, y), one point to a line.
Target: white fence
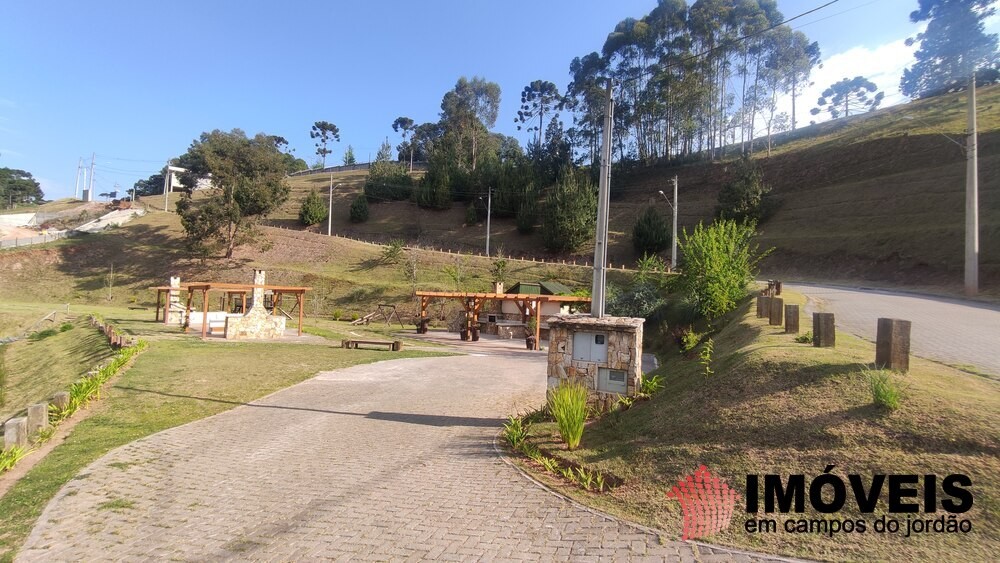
(28, 241)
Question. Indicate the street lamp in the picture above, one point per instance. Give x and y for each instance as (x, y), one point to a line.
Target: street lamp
(673, 237)
(971, 193)
(489, 212)
(329, 213)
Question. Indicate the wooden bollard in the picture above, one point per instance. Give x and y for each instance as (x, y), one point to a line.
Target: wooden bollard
(824, 334)
(38, 418)
(892, 344)
(763, 306)
(15, 433)
(775, 314)
(791, 319)
(61, 399)
(397, 345)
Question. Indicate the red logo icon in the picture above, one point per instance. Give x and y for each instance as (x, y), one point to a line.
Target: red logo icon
(707, 503)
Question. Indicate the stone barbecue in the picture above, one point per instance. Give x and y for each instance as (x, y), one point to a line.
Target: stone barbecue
(257, 323)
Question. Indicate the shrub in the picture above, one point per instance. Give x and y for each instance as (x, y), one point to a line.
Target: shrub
(359, 209)
(886, 391)
(337, 314)
(570, 214)
(387, 179)
(10, 457)
(689, 340)
(706, 356)
(651, 233)
(43, 334)
(744, 197)
(515, 431)
(498, 269)
(65, 326)
(527, 217)
(719, 263)
(392, 251)
(313, 209)
(651, 385)
(568, 404)
(639, 300)
(806, 338)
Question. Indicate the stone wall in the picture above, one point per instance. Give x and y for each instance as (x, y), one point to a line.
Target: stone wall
(257, 323)
(624, 352)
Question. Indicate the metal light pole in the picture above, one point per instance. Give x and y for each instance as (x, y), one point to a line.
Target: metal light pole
(601, 244)
(971, 199)
(329, 213)
(489, 212)
(673, 237)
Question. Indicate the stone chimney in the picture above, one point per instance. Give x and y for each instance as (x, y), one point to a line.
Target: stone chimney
(173, 302)
(259, 277)
(497, 287)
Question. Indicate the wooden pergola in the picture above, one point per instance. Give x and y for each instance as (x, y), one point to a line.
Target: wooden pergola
(528, 304)
(231, 292)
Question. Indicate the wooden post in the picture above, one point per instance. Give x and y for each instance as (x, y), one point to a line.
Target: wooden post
(187, 311)
(777, 308)
(159, 297)
(824, 333)
(204, 309)
(791, 319)
(763, 307)
(538, 325)
(300, 299)
(892, 345)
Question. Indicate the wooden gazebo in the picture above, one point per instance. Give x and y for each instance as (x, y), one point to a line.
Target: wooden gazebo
(231, 292)
(528, 304)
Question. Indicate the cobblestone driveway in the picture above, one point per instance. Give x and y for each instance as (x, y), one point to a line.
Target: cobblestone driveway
(384, 461)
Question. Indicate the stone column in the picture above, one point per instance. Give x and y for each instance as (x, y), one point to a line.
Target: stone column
(15, 433)
(61, 399)
(777, 308)
(892, 345)
(38, 418)
(791, 319)
(824, 334)
(173, 301)
(259, 277)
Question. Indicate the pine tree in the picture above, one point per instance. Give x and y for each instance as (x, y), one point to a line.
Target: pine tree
(651, 233)
(313, 209)
(359, 209)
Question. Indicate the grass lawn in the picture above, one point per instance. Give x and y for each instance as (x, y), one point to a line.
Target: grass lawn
(178, 380)
(776, 406)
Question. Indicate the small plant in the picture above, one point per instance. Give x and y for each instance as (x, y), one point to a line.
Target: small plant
(689, 340)
(392, 251)
(498, 270)
(886, 392)
(806, 338)
(625, 403)
(44, 435)
(337, 314)
(515, 431)
(65, 326)
(568, 404)
(705, 356)
(585, 478)
(599, 481)
(542, 414)
(10, 457)
(43, 334)
(550, 464)
(651, 385)
(568, 473)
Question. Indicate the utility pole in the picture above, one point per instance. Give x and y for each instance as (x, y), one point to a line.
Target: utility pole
(76, 188)
(90, 190)
(489, 212)
(167, 184)
(971, 199)
(329, 213)
(601, 244)
(673, 237)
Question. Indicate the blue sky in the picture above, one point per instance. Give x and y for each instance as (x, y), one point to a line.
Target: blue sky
(136, 82)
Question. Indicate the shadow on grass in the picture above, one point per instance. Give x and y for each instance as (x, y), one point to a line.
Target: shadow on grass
(407, 418)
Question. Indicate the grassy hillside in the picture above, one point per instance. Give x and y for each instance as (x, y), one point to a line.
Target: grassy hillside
(776, 406)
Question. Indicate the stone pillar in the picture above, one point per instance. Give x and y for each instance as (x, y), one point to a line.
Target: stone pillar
(892, 345)
(259, 277)
(824, 334)
(791, 319)
(777, 308)
(497, 287)
(173, 302)
(15, 433)
(61, 399)
(38, 418)
(763, 306)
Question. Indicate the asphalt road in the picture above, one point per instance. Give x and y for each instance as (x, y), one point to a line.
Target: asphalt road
(952, 331)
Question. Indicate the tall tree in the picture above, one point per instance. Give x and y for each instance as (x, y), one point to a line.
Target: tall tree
(952, 47)
(537, 99)
(325, 132)
(18, 187)
(468, 111)
(406, 125)
(849, 95)
(248, 183)
(349, 158)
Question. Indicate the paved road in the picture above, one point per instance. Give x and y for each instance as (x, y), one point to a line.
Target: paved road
(385, 461)
(947, 330)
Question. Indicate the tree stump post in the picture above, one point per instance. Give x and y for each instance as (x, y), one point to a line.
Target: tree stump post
(763, 307)
(892, 345)
(15, 433)
(824, 334)
(777, 309)
(38, 418)
(791, 319)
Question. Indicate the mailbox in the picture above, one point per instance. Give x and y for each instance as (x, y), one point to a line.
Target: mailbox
(611, 381)
(590, 347)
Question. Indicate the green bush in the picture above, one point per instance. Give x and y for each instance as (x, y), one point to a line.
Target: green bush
(719, 263)
(387, 179)
(313, 210)
(570, 215)
(651, 233)
(43, 334)
(744, 197)
(65, 326)
(392, 252)
(527, 217)
(806, 338)
(650, 385)
(568, 404)
(471, 214)
(359, 209)
(886, 391)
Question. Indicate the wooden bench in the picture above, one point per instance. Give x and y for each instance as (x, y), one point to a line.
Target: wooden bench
(394, 345)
